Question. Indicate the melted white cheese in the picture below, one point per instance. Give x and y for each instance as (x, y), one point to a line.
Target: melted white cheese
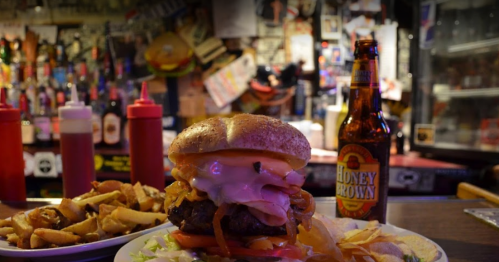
(235, 180)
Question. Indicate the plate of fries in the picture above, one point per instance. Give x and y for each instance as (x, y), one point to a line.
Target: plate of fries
(341, 239)
(90, 226)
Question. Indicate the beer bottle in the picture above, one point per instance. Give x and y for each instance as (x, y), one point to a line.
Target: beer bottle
(363, 143)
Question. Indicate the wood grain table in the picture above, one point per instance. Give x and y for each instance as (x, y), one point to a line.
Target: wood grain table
(463, 237)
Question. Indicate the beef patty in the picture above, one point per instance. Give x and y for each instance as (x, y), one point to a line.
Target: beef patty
(197, 218)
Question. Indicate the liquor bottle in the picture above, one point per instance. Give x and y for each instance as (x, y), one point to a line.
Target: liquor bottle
(16, 67)
(59, 74)
(364, 143)
(27, 127)
(42, 120)
(122, 84)
(299, 97)
(83, 85)
(70, 79)
(96, 116)
(5, 52)
(30, 87)
(77, 151)
(60, 52)
(130, 87)
(41, 59)
(111, 120)
(75, 48)
(6, 59)
(48, 83)
(60, 98)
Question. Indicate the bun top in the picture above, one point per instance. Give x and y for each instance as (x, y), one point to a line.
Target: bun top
(243, 132)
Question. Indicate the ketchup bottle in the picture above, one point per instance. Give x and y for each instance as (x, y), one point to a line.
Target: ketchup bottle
(146, 141)
(12, 181)
(77, 147)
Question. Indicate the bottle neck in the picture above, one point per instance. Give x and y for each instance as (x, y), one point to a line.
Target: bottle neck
(365, 95)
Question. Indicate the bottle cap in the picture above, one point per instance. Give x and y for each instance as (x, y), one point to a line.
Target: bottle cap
(144, 107)
(75, 109)
(7, 113)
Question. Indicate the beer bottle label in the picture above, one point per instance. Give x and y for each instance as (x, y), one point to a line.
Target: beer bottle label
(357, 181)
(364, 74)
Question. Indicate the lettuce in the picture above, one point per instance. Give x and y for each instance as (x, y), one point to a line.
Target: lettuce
(162, 248)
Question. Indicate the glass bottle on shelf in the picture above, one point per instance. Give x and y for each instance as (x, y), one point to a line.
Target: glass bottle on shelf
(96, 116)
(27, 127)
(42, 120)
(82, 86)
(48, 83)
(41, 59)
(30, 87)
(112, 120)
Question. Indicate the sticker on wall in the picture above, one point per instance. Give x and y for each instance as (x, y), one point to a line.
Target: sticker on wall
(45, 165)
(330, 27)
(425, 134)
(29, 163)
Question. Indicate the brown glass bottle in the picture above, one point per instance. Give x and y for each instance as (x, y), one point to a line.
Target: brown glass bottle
(363, 143)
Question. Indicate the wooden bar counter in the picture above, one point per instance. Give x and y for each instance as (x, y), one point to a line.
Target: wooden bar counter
(441, 219)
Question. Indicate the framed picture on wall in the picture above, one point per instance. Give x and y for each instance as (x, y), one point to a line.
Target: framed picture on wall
(330, 27)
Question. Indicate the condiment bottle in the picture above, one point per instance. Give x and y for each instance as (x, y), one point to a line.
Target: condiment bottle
(77, 148)
(12, 181)
(146, 141)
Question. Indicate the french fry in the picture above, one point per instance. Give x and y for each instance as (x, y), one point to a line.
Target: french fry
(82, 228)
(113, 226)
(57, 237)
(145, 202)
(131, 197)
(37, 242)
(5, 223)
(118, 203)
(36, 220)
(105, 210)
(107, 197)
(12, 238)
(91, 237)
(21, 226)
(157, 207)
(23, 243)
(71, 210)
(137, 217)
(4, 231)
(107, 186)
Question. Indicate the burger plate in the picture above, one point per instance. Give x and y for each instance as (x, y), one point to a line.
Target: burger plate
(135, 245)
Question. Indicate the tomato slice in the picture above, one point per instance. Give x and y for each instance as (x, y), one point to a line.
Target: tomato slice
(288, 251)
(187, 240)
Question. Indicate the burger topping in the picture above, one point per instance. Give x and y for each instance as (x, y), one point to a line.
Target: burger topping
(257, 166)
(219, 235)
(233, 181)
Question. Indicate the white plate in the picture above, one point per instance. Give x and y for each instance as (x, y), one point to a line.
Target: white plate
(135, 245)
(83, 252)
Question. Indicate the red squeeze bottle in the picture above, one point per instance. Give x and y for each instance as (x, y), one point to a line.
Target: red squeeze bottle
(12, 181)
(146, 141)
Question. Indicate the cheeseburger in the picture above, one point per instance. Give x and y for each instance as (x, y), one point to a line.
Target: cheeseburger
(237, 192)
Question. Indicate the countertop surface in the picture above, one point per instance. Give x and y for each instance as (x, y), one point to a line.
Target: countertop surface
(463, 237)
